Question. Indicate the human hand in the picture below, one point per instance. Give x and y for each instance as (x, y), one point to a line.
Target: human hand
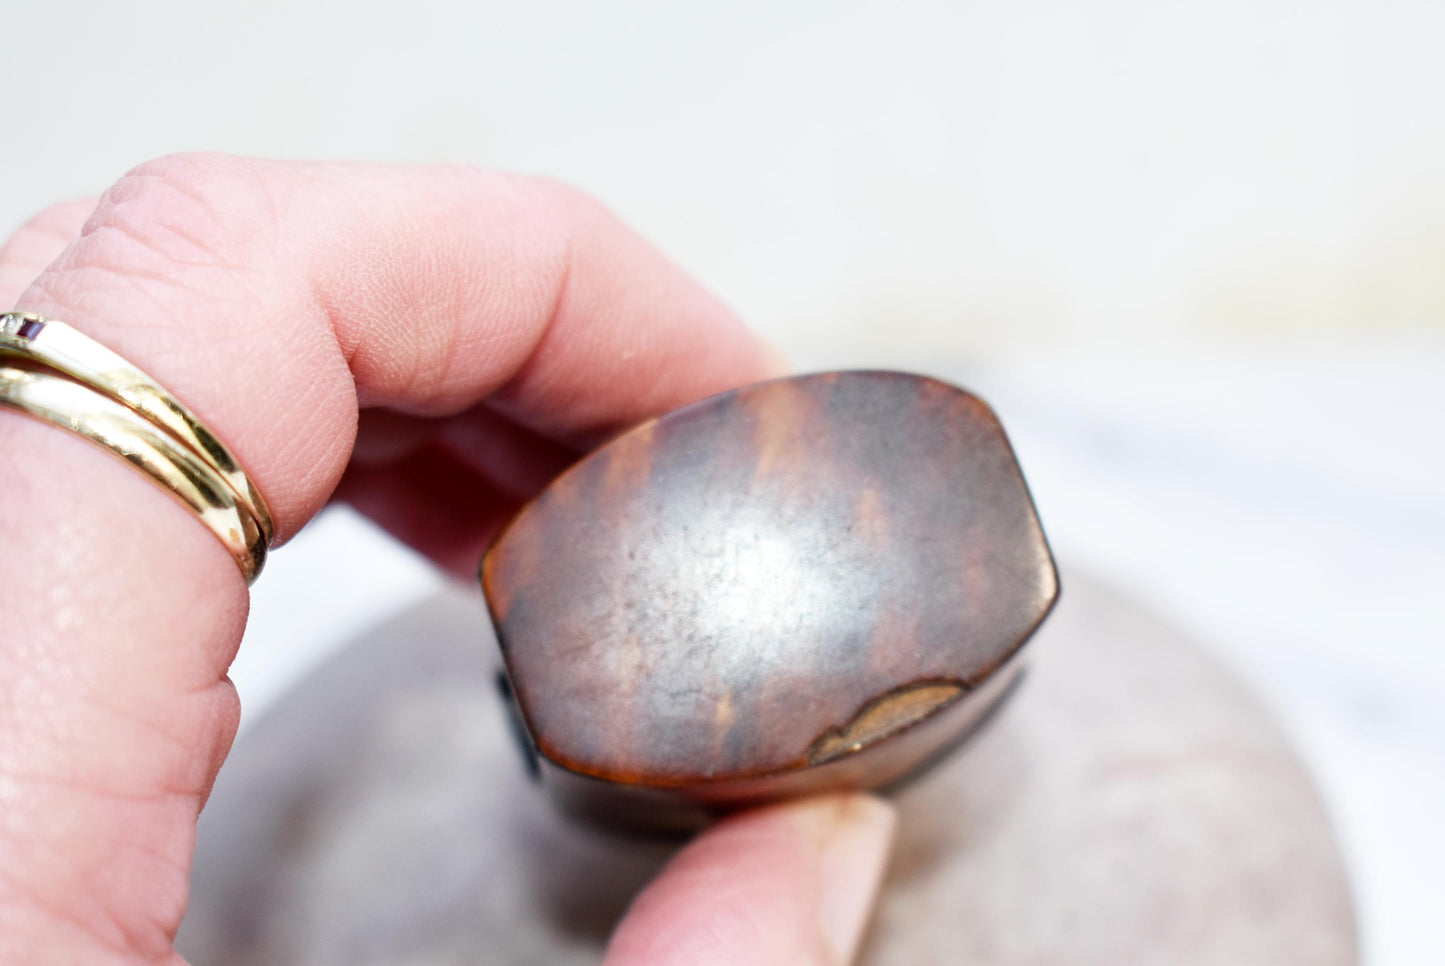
(430, 344)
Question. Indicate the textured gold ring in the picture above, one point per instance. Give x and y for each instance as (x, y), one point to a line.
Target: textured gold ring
(48, 344)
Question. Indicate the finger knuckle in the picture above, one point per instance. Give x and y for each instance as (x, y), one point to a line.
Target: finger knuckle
(186, 208)
(185, 219)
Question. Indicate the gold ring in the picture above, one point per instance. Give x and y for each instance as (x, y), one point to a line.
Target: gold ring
(55, 345)
(127, 435)
(64, 377)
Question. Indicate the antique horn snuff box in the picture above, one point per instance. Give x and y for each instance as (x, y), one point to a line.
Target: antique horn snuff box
(815, 583)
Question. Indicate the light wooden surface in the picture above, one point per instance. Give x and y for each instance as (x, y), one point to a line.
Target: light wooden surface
(1134, 806)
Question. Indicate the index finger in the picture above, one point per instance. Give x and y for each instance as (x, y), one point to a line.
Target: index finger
(273, 299)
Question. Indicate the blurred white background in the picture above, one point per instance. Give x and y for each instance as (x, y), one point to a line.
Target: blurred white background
(1194, 252)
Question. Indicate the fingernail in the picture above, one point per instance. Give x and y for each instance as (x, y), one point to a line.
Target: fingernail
(855, 840)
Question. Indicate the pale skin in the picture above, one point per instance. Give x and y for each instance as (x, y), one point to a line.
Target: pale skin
(431, 344)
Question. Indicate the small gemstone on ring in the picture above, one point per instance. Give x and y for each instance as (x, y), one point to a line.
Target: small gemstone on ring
(30, 328)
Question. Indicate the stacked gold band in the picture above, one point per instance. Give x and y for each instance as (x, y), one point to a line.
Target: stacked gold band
(59, 375)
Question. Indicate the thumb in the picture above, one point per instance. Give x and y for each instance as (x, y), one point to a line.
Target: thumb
(788, 885)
